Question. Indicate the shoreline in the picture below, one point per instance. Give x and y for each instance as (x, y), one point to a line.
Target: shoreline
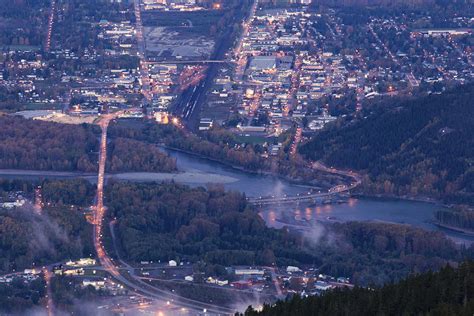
(45, 173)
(467, 232)
(260, 172)
(401, 198)
(187, 177)
(309, 185)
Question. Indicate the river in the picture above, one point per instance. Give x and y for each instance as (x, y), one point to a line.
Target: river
(197, 171)
(419, 214)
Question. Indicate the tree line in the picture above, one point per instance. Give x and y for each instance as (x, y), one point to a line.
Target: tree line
(170, 221)
(447, 292)
(39, 145)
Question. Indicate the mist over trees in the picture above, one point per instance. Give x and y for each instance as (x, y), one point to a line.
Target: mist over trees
(29, 239)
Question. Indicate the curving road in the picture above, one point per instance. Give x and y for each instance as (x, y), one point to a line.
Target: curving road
(126, 276)
(338, 189)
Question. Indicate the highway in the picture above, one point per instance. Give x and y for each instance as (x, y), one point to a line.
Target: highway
(144, 74)
(49, 295)
(49, 31)
(126, 276)
(121, 271)
(99, 210)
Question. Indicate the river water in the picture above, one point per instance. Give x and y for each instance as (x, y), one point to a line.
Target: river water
(197, 171)
(419, 214)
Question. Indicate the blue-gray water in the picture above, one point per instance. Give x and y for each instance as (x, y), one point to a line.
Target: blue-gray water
(418, 214)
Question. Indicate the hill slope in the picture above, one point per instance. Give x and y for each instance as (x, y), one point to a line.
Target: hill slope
(419, 147)
(448, 292)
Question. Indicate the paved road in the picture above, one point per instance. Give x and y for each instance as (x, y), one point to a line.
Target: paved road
(338, 189)
(49, 295)
(127, 277)
(49, 31)
(144, 74)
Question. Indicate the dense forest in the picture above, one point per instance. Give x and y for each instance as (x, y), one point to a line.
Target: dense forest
(38, 145)
(14, 14)
(77, 192)
(378, 253)
(219, 145)
(170, 221)
(28, 238)
(457, 217)
(59, 232)
(28, 144)
(419, 147)
(447, 292)
(133, 155)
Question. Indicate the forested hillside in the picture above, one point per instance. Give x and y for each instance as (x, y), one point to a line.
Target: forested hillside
(447, 292)
(421, 147)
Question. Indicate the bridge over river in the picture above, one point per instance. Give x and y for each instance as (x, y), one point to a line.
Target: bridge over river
(333, 193)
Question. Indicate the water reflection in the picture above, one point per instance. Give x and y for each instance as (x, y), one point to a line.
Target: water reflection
(352, 202)
(389, 211)
(298, 214)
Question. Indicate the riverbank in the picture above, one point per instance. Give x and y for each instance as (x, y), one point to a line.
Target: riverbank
(45, 173)
(387, 209)
(188, 177)
(464, 231)
(384, 197)
(259, 172)
(181, 177)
